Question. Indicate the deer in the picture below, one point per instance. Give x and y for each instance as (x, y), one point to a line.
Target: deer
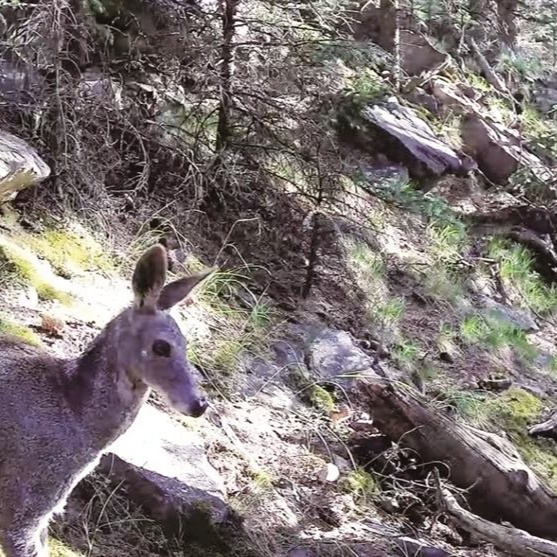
(59, 416)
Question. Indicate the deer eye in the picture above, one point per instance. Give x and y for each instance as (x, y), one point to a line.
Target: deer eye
(162, 348)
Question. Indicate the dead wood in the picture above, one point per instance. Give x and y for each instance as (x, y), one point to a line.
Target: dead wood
(546, 429)
(511, 540)
(487, 70)
(499, 484)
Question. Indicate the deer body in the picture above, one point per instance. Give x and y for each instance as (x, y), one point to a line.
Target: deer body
(57, 417)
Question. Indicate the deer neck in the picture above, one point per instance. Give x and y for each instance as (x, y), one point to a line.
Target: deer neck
(101, 393)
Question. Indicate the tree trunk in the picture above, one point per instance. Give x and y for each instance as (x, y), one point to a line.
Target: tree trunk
(229, 10)
(388, 27)
(389, 36)
(499, 484)
(506, 11)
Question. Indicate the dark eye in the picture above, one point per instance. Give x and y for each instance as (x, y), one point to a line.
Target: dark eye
(161, 348)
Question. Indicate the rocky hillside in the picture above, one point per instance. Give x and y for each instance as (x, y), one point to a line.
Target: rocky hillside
(376, 183)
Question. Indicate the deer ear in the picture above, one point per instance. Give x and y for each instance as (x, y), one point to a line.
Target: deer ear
(149, 277)
(174, 292)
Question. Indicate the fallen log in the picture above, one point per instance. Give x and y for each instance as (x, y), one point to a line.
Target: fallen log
(511, 540)
(499, 485)
(547, 429)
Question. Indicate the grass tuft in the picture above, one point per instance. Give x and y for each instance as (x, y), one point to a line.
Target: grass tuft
(516, 268)
(491, 332)
(25, 334)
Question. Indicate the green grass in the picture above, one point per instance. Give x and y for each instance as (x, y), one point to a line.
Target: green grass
(474, 329)
(406, 196)
(405, 353)
(468, 405)
(494, 333)
(388, 312)
(365, 87)
(447, 339)
(516, 268)
(365, 261)
(8, 327)
(446, 241)
(443, 284)
(237, 329)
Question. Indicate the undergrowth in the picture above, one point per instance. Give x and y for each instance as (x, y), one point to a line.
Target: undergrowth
(516, 270)
(239, 323)
(492, 332)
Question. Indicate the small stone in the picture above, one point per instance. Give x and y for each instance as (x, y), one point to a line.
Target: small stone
(52, 325)
(329, 473)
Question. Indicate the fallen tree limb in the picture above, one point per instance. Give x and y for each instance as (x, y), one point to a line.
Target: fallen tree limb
(499, 485)
(488, 71)
(516, 542)
(546, 429)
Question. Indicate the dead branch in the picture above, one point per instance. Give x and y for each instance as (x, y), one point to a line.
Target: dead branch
(512, 540)
(500, 486)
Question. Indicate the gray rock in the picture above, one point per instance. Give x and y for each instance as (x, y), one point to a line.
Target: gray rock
(499, 151)
(99, 89)
(519, 318)
(164, 469)
(418, 54)
(332, 354)
(301, 552)
(418, 146)
(20, 166)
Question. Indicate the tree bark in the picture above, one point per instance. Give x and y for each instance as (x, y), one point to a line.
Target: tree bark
(229, 9)
(499, 484)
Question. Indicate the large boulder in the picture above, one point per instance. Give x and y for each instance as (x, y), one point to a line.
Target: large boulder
(544, 94)
(20, 166)
(164, 469)
(499, 151)
(403, 136)
(418, 54)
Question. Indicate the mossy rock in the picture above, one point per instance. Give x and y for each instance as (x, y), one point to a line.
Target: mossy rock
(515, 411)
(17, 267)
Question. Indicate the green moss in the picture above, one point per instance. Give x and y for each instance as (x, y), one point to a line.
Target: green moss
(69, 252)
(58, 549)
(25, 334)
(262, 480)
(515, 411)
(16, 266)
(321, 398)
(360, 484)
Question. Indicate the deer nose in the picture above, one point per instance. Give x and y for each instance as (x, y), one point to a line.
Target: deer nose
(198, 407)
